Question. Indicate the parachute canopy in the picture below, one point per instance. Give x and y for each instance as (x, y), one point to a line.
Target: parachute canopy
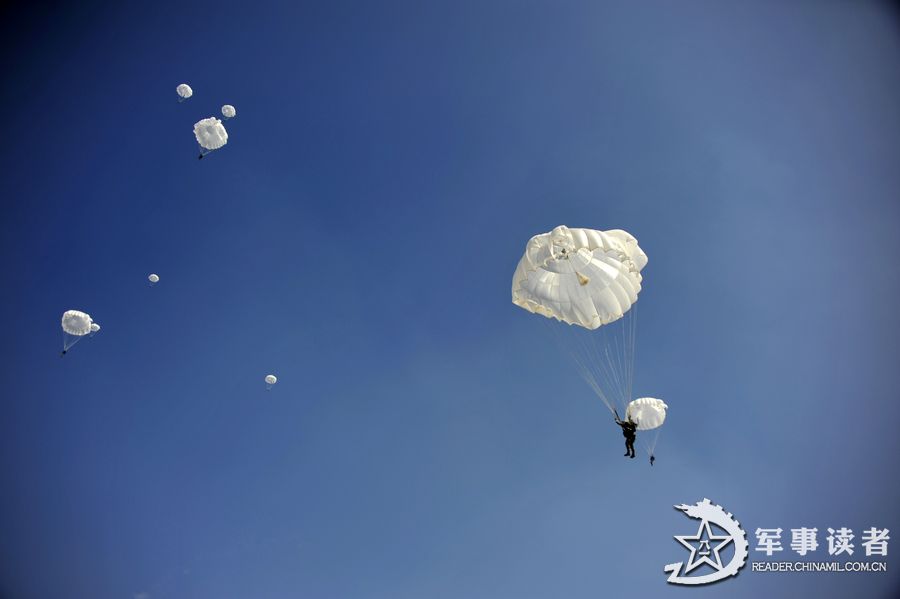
(228, 111)
(210, 133)
(647, 412)
(76, 323)
(153, 278)
(583, 277)
(271, 379)
(95, 327)
(184, 90)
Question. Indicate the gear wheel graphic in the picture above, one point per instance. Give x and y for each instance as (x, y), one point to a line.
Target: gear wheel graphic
(711, 513)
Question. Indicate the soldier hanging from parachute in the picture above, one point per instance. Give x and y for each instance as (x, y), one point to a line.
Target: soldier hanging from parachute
(590, 280)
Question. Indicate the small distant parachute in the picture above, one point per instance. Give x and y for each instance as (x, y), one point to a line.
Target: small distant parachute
(647, 412)
(75, 326)
(228, 111)
(184, 92)
(94, 329)
(153, 278)
(271, 379)
(210, 134)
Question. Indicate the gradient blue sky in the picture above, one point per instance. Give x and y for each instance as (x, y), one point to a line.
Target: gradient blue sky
(357, 237)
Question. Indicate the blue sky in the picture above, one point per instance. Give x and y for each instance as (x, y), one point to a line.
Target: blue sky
(357, 237)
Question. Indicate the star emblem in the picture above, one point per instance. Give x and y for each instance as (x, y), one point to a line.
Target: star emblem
(704, 544)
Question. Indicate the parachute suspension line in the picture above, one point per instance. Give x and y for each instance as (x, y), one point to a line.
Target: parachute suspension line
(621, 355)
(650, 438)
(69, 340)
(583, 359)
(626, 366)
(632, 345)
(606, 365)
(602, 357)
(613, 355)
(580, 358)
(610, 360)
(614, 358)
(603, 365)
(595, 360)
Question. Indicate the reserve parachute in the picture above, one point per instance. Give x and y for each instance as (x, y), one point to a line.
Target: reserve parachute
(588, 281)
(647, 412)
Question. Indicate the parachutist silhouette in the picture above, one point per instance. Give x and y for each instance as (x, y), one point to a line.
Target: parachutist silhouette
(629, 429)
(62, 353)
(652, 459)
(200, 157)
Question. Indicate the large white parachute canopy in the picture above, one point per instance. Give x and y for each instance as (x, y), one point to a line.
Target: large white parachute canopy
(228, 111)
(184, 92)
(210, 134)
(589, 280)
(579, 276)
(648, 413)
(153, 278)
(75, 325)
(271, 379)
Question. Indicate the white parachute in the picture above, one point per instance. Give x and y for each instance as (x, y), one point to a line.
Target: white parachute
(579, 276)
(590, 281)
(228, 111)
(271, 379)
(75, 325)
(153, 278)
(647, 412)
(184, 92)
(95, 328)
(210, 134)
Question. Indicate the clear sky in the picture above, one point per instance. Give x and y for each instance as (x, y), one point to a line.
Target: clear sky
(357, 237)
